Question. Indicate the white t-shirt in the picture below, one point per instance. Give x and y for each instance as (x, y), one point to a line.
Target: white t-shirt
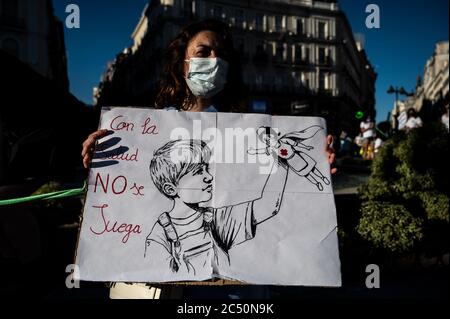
(378, 143)
(444, 120)
(413, 123)
(369, 126)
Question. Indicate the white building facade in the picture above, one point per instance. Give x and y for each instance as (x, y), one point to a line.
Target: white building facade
(432, 92)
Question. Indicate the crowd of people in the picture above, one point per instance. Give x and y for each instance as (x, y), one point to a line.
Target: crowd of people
(370, 139)
(366, 144)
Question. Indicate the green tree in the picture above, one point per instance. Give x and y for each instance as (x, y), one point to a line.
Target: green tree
(405, 203)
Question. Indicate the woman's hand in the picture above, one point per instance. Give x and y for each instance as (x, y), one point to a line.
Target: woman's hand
(88, 146)
(331, 153)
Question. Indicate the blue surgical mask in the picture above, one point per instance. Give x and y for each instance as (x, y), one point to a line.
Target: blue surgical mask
(206, 76)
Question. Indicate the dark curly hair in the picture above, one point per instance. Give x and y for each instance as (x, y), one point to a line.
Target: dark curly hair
(173, 90)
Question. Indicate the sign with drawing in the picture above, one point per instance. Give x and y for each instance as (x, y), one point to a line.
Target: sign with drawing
(188, 196)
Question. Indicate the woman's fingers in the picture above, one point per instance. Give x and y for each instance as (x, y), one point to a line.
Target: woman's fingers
(87, 148)
(330, 141)
(90, 141)
(331, 153)
(86, 161)
(97, 135)
(331, 158)
(88, 145)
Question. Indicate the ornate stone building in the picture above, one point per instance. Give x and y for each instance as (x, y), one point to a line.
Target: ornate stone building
(432, 90)
(299, 57)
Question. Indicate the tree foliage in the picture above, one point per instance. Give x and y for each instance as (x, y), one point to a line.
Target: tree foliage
(406, 196)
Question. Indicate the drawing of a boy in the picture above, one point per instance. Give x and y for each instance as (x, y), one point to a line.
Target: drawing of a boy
(193, 235)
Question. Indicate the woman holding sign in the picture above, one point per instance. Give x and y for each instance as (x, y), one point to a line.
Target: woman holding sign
(202, 73)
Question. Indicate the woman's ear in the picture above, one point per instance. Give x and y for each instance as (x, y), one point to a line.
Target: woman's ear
(170, 189)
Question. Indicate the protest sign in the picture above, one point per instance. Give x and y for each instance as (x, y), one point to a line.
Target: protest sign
(190, 196)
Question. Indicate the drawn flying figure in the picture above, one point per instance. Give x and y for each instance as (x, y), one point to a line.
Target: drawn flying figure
(292, 152)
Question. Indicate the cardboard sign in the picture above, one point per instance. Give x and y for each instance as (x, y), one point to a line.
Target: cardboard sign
(189, 196)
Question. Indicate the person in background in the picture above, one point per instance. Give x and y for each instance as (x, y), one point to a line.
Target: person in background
(201, 73)
(444, 118)
(367, 131)
(346, 142)
(413, 120)
(377, 144)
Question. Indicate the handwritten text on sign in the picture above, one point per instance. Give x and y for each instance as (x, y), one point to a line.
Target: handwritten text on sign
(118, 185)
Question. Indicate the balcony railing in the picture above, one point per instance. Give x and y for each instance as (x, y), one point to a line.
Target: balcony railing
(327, 62)
(325, 92)
(302, 61)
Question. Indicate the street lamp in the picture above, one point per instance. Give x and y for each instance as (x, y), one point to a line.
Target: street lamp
(397, 91)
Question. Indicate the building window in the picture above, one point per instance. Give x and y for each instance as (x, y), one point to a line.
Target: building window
(329, 59)
(306, 58)
(324, 82)
(285, 51)
(301, 54)
(251, 21)
(296, 79)
(259, 22)
(322, 55)
(322, 30)
(273, 48)
(260, 54)
(305, 79)
(297, 54)
(11, 46)
(300, 26)
(278, 23)
(280, 55)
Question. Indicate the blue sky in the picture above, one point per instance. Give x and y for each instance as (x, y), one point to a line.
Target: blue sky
(105, 30)
(398, 50)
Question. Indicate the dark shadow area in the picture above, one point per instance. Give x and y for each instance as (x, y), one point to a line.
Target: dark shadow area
(42, 125)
